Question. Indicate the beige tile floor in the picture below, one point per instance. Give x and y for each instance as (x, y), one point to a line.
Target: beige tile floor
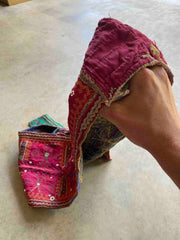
(42, 45)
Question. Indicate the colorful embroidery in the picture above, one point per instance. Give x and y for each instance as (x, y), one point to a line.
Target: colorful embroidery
(51, 158)
(49, 178)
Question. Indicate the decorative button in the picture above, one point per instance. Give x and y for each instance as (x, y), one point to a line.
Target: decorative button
(57, 164)
(52, 198)
(30, 162)
(38, 183)
(46, 155)
(51, 177)
(25, 170)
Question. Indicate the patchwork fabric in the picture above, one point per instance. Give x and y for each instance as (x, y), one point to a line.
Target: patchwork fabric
(102, 136)
(114, 55)
(48, 177)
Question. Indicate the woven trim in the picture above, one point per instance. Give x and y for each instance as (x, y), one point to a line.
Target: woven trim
(82, 112)
(153, 63)
(87, 123)
(92, 113)
(88, 81)
(48, 204)
(43, 136)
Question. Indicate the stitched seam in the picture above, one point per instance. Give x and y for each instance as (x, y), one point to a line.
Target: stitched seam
(153, 63)
(44, 202)
(82, 112)
(87, 122)
(43, 136)
(88, 80)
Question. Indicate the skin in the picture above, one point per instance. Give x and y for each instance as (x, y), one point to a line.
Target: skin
(149, 118)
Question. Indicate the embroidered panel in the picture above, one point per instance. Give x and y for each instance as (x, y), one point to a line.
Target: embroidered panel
(50, 163)
(48, 179)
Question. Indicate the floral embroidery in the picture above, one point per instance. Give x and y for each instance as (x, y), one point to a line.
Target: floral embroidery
(38, 183)
(45, 155)
(42, 169)
(52, 179)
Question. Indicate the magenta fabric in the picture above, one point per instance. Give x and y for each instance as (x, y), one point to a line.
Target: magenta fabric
(51, 164)
(115, 52)
(48, 177)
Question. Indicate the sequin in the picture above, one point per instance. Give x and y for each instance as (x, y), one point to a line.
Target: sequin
(46, 155)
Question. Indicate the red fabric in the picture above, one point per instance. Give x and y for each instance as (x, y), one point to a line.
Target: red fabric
(115, 52)
(48, 176)
(50, 165)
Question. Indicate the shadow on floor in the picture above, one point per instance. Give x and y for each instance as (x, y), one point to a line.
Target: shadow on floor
(96, 163)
